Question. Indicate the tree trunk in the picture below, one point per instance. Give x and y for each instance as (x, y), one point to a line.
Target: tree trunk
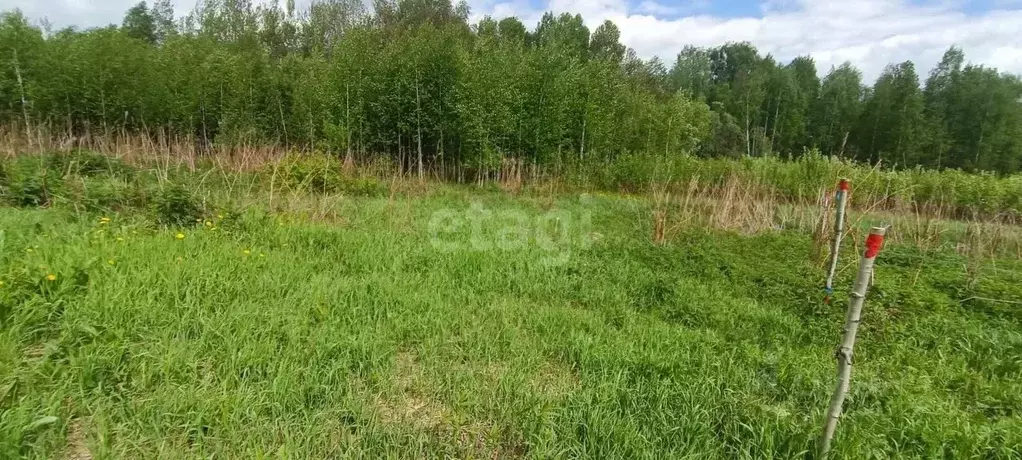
(748, 135)
(24, 100)
(102, 103)
(667, 143)
(349, 158)
(70, 123)
(852, 319)
(979, 146)
(283, 124)
(873, 141)
(418, 124)
(777, 114)
(582, 149)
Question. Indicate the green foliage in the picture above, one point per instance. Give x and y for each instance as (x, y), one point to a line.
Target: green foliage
(140, 24)
(362, 186)
(316, 173)
(27, 182)
(175, 205)
(262, 333)
(320, 173)
(83, 180)
(88, 164)
(413, 82)
(802, 179)
(101, 194)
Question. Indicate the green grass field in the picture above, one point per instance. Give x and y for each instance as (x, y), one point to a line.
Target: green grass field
(474, 324)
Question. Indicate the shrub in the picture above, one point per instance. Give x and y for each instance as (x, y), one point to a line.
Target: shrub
(321, 173)
(317, 173)
(87, 163)
(175, 205)
(361, 186)
(101, 194)
(26, 183)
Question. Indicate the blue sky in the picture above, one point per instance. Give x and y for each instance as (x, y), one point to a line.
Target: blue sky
(740, 8)
(869, 33)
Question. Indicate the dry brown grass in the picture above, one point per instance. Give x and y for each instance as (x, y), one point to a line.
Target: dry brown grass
(735, 205)
(411, 405)
(76, 442)
(157, 148)
(407, 404)
(555, 380)
(35, 351)
(751, 208)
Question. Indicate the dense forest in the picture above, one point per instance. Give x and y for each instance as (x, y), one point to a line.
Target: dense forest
(415, 82)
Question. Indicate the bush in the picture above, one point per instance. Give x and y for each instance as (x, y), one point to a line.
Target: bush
(321, 173)
(175, 205)
(317, 173)
(87, 163)
(27, 183)
(101, 194)
(362, 186)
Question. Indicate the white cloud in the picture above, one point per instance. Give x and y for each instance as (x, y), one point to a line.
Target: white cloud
(85, 14)
(658, 9)
(870, 33)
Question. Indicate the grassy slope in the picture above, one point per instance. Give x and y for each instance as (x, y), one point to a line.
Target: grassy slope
(360, 338)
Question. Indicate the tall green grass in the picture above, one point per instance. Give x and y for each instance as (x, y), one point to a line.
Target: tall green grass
(270, 331)
(803, 178)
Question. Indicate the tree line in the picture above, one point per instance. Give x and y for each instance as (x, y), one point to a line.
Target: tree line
(413, 81)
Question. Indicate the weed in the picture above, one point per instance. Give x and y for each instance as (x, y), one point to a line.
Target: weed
(175, 205)
(86, 163)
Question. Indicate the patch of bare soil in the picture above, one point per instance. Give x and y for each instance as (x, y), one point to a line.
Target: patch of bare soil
(412, 405)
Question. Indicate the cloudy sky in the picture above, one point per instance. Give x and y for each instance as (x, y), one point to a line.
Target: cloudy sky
(870, 33)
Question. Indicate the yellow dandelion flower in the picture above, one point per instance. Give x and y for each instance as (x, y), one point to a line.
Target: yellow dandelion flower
(209, 224)
(110, 262)
(28, 250)
(246, 252)
(51, 277)
(180, 236)
(262, 255)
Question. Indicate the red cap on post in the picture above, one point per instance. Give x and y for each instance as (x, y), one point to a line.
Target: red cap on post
(843, 185)
(875, 242)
